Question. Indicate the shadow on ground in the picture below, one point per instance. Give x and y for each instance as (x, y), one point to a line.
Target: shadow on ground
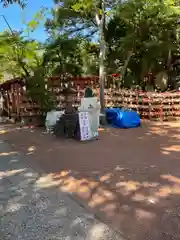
(31, 208)
(129, 178)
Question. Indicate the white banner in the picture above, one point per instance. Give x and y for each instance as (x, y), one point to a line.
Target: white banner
(85, 130)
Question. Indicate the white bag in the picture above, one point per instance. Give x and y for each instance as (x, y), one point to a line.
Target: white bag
(51, 118)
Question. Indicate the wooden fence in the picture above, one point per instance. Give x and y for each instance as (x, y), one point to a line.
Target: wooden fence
(150, 105)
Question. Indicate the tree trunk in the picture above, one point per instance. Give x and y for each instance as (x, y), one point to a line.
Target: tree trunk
(143, 74)
(102, 75)
(101, 24)
(169, 69)
(124, 68)
(21, 63)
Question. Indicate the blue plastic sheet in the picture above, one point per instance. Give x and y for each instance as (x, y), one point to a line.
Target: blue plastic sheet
(122, 119)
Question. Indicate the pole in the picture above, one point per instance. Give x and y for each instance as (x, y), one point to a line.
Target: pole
(7, 24)
(102, 56)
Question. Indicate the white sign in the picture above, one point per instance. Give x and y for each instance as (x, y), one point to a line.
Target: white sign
(85, 131)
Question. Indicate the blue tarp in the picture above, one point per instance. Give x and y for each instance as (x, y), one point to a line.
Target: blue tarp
(122, 119)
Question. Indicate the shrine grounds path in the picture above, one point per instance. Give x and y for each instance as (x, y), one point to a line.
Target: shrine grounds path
(129, 178)
(32, 208)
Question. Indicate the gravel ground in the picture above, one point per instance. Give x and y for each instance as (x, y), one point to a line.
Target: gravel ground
(129, 178)
(31, 207)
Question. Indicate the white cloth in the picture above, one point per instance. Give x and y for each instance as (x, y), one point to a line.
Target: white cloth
(52, 117)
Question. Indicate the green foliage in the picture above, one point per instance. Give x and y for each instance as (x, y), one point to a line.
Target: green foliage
(72, 17)
(18, 57)
(77, 17)
(5, 3)
(141, 36)
(38, 19)
(89, 53)
(147, 29)
(36, 90)
(62, 56)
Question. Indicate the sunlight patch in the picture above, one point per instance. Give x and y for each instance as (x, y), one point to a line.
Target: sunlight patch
(12, 172)
(13, 207)
(8, 153)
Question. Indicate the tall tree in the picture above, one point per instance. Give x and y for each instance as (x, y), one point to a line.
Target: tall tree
(144, 33)
(88, 19)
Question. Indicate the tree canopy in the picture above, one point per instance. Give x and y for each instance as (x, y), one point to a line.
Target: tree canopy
(5, 3)
(139, 37)
(18, 57)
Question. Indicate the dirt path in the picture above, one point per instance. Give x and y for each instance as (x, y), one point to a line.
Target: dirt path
(33, 209)
(129, 178)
